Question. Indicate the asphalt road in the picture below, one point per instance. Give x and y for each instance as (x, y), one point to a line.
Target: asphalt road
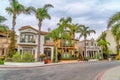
(73, 71)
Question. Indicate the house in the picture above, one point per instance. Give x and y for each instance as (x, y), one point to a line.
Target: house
(91, 48)
(28, 41)
(5, 41)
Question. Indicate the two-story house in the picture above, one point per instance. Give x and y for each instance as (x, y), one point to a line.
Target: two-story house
(28, 41)
(92, 49)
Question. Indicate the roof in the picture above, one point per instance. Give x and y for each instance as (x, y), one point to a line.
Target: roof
(27, 26)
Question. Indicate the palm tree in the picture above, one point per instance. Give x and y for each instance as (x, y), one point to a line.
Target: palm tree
(63, 24)
(116, 33)
(41, 14)
(114, 23)
(84, 31)
(3, 27)
(73, 29)
(55, 36)
(15, 9)
(114, 20)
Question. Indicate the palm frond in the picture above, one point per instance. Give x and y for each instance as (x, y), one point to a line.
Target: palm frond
(9, 10)
(2, 19)
(115, 18)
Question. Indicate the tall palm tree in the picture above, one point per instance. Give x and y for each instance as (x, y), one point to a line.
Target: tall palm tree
(115, 25)
(85, 31)
(15, 9)
(41, 14)
(116, 33)
(63, 24)
(73, 29)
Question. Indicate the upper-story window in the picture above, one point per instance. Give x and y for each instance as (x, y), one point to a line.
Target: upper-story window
(27, 37)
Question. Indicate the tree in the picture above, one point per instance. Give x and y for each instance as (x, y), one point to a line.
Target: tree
(103, 43)
(116, 33)
(85, 31)
(114, 20)
(3, 28)
(73, 29)
(15, 9)
(55, 36)
(115, 25)
(63, 24)
(41, 14)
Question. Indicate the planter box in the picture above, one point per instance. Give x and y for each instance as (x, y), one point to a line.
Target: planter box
(23, 64)
(46, 61)
(93, 60)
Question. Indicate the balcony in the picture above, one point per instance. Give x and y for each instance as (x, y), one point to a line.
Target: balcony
(22, 40)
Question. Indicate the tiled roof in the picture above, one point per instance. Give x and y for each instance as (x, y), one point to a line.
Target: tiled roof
(26, 27)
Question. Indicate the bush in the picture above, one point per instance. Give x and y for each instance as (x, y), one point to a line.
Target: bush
(41, 57)
(16, 57)
(1, 62)
(86, 59)
(27, 57)
(118, 57)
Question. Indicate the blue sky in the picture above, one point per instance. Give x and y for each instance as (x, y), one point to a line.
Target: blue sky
(92, 13)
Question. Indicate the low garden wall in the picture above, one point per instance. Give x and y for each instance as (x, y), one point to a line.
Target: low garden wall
(23, 63)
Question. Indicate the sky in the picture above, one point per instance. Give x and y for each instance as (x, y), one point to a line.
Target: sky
(91, 13)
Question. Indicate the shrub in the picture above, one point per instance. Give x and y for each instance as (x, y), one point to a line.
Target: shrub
(86, 59)
(1, 61)
(118, 57)
(16, 57)
(42, 56)
(67, 56)
(27, 57)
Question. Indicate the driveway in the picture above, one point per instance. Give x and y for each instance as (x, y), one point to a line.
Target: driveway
(73, 71)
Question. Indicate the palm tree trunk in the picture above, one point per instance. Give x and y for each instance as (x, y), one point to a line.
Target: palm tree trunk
(39, 26)
(74, 45)
(85, 46)
(13, 22)
(56, 44)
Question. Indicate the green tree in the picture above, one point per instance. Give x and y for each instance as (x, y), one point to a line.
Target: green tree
(73, 29)
(55, 36)
(115, 25)
(3, 27)
(84, 32)
(15, 9)
(116, 33)
(104, 45)
(41, 14)
(114, 20)
(64, 24)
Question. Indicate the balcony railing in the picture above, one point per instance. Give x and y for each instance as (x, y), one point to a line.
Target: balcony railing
(27, 41)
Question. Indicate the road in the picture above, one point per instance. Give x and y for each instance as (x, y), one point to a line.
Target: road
(73, 71)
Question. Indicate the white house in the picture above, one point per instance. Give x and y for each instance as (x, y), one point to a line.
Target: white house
(28, 41)
(91, 48)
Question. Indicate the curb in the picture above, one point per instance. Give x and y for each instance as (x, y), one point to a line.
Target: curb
(100, 75)
(44, 65)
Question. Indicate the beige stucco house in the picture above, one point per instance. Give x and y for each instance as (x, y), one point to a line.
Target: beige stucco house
(28, 41)
(91, 48)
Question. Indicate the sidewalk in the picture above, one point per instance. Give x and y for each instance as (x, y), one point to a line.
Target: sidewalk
(111, 74)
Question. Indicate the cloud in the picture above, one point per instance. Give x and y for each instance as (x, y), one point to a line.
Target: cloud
(92, 13)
